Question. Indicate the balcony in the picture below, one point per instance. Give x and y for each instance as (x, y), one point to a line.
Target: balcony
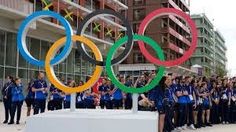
(175, 34)
(179, 23)
(185, 4)
(174, 48)
(172, 3)
(210, 48)
(18, 5)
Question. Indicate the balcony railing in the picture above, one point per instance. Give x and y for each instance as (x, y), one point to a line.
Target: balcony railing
(18, 5)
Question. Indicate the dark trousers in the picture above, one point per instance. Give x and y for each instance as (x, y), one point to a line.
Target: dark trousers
(128, 104)
(215, 113)
(106, 103)
(39, 105)
(16, 107)
(117, 104)
(182, 115)
(232, 113)
(66, 104)
(190, 114)
(55, 104)
(7, 106)
(80, 105)
(225, 111)
(169, 115)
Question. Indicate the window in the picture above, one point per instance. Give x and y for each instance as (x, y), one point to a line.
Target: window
(11, 49)
(22, 62)
(202, 60)
(136, 27)
(138, 2)
(2, 47)
(34, 50)
(138, 58)
(10, 72)
(139, 14)
(202, 50)
(1, 76)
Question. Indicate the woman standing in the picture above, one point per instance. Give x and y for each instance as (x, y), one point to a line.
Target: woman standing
(224, 101)
(7, 98)
(17, 100)
(215, 103)
(206, 103)
(160, 103)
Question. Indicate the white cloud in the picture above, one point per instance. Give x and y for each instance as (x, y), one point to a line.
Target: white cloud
(223, 14)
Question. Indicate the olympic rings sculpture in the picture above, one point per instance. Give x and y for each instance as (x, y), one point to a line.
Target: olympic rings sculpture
(66, 42)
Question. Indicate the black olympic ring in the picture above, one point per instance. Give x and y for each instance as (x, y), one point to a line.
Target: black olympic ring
(86, 22)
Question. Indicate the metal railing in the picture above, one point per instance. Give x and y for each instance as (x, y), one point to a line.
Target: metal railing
(18, 5)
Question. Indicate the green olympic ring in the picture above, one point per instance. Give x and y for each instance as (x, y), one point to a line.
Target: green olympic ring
(111, 74)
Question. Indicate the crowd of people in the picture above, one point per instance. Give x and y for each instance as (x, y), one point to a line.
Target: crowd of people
(182, 101)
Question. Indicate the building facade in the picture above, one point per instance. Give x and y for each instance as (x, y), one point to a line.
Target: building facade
(169, 31)
(211, 50)
(42, 34)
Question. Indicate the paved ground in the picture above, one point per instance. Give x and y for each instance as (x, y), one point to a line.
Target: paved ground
(19, 128)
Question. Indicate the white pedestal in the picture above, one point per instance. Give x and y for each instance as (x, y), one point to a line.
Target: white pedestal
(93, 121)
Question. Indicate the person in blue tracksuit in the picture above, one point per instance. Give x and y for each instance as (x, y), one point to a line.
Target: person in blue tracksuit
(29, 100)
(80, 98)
(182, 95)
(89, 100)
(169, 105)
(204, 95)
(17, 99)
(55, 102)
(104, 91)
(117, 95)
(230, 95)
(190, 102)
(128, 96)
(40, 89)
(224, 102)
(215, 97)
(233, 104)
(159, 103)
(7, 98)
(67, 97)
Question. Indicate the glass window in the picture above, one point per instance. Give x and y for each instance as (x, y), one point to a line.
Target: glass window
(139, 2)
(34, 50)
(1, 79)
(11, 49)
(32, 74)
(138, 58)
(44, 50)
(10, 72)
(78, 59)
(139, 14)
(22, 62)
(62, 66)
(24, 77)
(2, 47)
(70, 62)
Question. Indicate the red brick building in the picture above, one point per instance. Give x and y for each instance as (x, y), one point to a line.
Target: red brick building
(169, 31)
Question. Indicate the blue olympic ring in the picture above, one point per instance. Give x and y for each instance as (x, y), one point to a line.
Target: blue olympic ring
(21, 37)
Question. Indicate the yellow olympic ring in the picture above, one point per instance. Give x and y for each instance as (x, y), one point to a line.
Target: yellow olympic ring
(51, 74)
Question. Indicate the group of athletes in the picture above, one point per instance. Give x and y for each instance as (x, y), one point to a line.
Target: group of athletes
(182, 101)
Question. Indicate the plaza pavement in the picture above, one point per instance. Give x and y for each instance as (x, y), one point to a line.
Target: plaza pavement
(20, 128)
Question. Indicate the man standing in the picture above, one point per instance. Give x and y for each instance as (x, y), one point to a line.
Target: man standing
(7, 98)
(40, 89)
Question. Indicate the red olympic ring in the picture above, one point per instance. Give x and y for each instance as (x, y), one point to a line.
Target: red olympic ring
(165, 11)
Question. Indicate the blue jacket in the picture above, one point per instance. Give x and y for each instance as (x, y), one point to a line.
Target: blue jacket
(17, 93)
(37, 85)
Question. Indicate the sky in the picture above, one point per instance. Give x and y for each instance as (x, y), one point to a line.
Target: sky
(222, 14)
